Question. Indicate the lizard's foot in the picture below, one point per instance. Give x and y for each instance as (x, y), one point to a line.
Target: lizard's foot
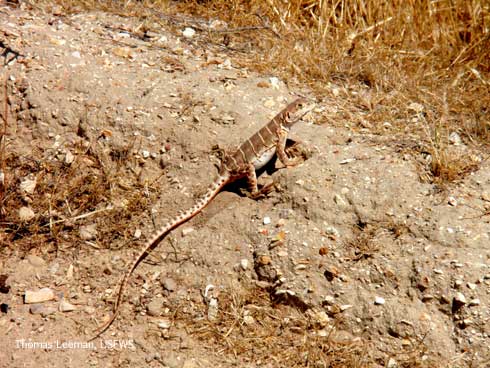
(261, 193)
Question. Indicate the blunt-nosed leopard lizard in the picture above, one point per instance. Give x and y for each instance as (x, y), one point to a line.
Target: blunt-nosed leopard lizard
(252, 155)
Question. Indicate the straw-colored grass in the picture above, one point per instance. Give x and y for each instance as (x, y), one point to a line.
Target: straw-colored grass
(368, 59)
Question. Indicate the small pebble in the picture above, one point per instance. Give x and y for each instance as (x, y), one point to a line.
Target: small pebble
(471, 285)
(459, 300)
(188, 32)
(88, 232)
(164, 324)
(44, 310)
(28, 186)
(65, 306)
(26, 214)
(42, 295)
(155, 307)
(169, 284)
(267, 220)
(244, 264)
(187, 231)
(474, 302)
(379, 300)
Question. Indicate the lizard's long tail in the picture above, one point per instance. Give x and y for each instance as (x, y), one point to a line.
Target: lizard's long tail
(158, 236)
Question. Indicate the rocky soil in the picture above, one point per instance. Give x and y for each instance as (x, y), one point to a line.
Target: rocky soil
(112, 128)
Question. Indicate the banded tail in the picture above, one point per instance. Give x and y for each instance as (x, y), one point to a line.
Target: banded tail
(160, 234)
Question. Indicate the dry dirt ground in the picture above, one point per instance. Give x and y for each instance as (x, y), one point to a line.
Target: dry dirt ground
(111, 130)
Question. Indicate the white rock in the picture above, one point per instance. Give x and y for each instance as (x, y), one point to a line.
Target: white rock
(88, 232)
(267, 220)
(248, 320)
(274, 81)
(244, 264)
(455, 138)
(471, 285)
(188, 32)
(27, 185)
(137, 234)
(392, 363)
(187, 231)
(460, 299)
(42, 295)
(164, 324)
(379, 300)
(64, 306)
(69, 158)
(26, 214)
(474, 302)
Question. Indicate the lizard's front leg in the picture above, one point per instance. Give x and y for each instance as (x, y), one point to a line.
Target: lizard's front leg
(282, 134)
(253, 189)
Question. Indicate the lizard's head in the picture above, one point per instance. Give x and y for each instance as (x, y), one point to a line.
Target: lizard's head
(296, 110)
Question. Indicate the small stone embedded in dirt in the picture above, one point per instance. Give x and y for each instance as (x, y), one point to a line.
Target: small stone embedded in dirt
(168, 284)
(164, 323)
(26, 214)
(337, 198)
(155, 307)
(423, 283)
(44, 310)
(137, 234)
(379, 300)
(244, 264)
(267, 220)
(65, 306)
(248, 320)
(88, 232)
(471, 286)
(28, 185)
(69, 158)
(188, 32)
(4, 308)
(39, 296)
(455, 138)
(459, 301)
(323, 251)
(35, 260)
(187, 231)
(332, 231)
(474, 302)
(331, 272)
(4, 288)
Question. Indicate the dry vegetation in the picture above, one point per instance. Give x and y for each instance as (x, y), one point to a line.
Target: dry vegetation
(396, 67)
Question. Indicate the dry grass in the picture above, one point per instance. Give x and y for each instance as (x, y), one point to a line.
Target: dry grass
(368, 60)
(252, 329)
(93, 189)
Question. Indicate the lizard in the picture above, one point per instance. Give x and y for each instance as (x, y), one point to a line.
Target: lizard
(252, 155)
